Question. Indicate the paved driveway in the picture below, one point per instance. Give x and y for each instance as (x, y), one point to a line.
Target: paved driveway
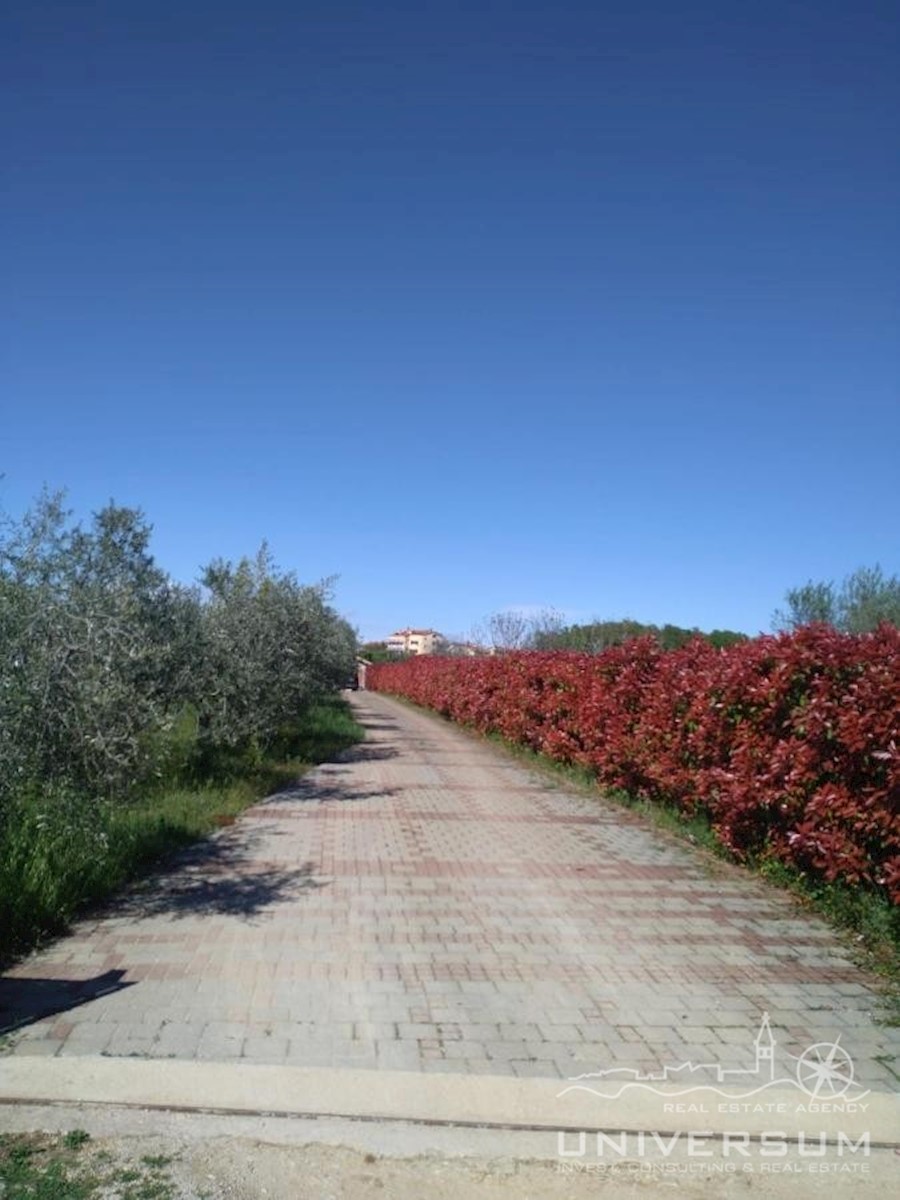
(427, 904)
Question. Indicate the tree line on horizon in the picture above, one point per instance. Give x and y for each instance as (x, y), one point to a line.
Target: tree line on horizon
(864, 600)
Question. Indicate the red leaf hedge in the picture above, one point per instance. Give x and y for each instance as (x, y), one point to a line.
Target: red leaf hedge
(788, 743)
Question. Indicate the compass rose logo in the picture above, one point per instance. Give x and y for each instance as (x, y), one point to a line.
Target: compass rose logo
(825, 1070)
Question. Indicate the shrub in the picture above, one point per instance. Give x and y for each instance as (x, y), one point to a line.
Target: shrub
(113, 678)
(119, 687)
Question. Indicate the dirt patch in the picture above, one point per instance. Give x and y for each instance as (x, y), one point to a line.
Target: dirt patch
(163, 1167)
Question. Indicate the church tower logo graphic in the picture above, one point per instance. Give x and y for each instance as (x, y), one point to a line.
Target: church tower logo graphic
(823, 1072)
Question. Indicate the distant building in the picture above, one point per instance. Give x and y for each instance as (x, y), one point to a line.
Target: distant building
(362, 665)
(416, 641)
(464, 649)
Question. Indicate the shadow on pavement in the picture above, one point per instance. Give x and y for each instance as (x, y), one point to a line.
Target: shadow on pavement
(208, 889)
(222, 875)
(321, 792)
(23, 1001)
(365, 753)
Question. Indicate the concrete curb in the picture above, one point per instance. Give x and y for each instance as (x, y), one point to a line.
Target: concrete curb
(484, 1101)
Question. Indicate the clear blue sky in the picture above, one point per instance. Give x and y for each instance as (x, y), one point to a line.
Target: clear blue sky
(476, 305)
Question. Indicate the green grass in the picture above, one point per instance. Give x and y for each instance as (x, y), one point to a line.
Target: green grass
(62, 852)
(868, 915)
(39, 1166)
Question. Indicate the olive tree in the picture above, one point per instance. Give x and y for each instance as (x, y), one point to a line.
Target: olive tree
(859, 605)
(86, 673)
(271, 647)
(111, 674)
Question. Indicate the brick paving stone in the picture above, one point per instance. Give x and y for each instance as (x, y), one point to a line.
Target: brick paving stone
(535, 1066)
(447, 1066)
(265, 1049)
(39, 1046)
(87, 1038)
(397, 1056)
(429, 904)
(125, 1043)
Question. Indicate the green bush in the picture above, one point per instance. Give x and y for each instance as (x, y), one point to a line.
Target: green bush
(119, 687)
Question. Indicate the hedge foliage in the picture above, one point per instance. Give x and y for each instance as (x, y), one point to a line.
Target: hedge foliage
(789, 743)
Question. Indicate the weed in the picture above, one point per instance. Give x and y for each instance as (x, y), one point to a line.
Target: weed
(75, 1139)
(37, 1166)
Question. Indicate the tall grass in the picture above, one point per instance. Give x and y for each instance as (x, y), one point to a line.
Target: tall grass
(61, 851)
